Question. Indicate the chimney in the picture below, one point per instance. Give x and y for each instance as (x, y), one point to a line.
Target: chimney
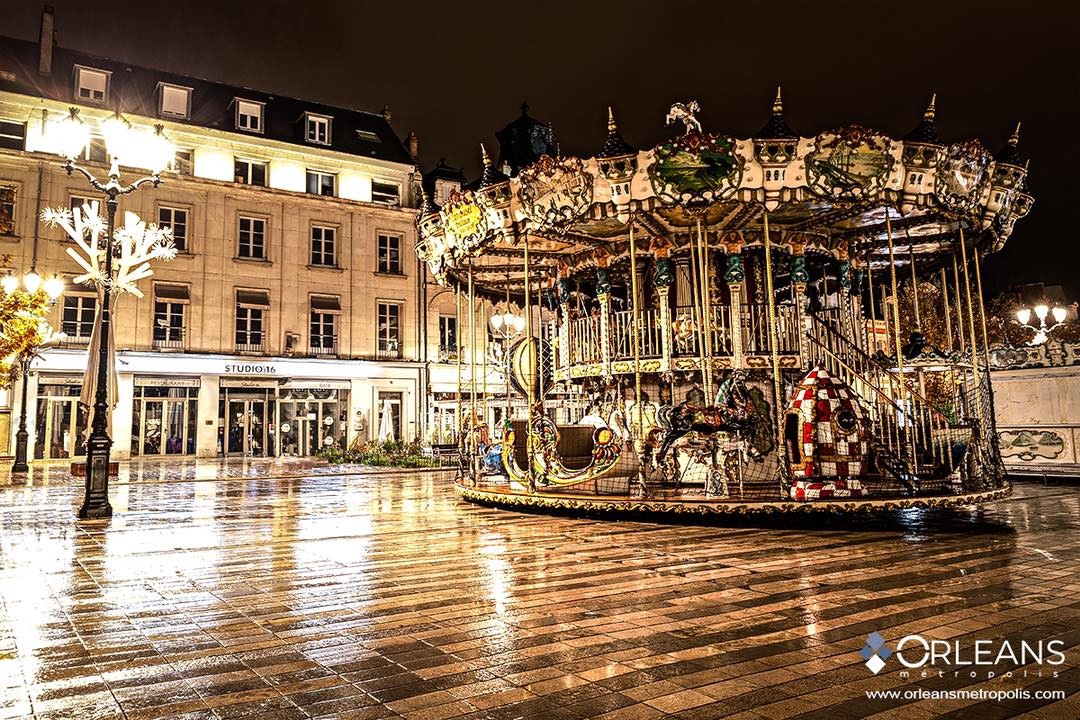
(46, 40)
(413, 143)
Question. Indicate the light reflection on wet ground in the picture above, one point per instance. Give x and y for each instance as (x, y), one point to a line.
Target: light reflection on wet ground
(369, 596)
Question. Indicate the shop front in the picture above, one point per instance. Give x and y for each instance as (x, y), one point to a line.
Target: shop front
(164, 417)
(60, 423)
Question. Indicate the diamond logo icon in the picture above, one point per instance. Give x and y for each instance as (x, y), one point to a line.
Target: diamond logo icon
(875, 652)
(875, 664)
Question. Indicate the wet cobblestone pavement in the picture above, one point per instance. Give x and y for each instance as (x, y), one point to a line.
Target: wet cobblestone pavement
(227, 592)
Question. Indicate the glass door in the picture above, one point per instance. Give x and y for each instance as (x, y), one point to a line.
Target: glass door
(61, 425)
(246, 432)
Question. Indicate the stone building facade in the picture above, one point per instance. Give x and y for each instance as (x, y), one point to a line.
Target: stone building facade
(295, 313)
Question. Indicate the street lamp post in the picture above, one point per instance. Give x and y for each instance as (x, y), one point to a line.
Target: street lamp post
(155, 152)
(1042, 330)
(32, 283)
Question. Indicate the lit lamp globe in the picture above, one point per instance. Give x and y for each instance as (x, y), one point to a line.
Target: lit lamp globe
(54, 287)
(1041, 311)
(10, 283)
(32, 282)
(118, 138)
(159, 151)
(496, 323)
(1059, 314)
(1023, 315)
(71, 135)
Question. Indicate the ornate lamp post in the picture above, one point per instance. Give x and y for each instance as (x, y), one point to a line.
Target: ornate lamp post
(33, 284)
(506, 326)
(144, 149)
(1042, 330)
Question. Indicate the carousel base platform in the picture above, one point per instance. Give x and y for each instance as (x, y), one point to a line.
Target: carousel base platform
(682, 505)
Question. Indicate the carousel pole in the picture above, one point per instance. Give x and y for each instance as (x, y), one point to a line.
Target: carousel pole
(530, 387)
(483, 389)
(639, 410)
(991, 420)
(945, 299)
(770, 308)
(914, 286)
(472, 364)
(873, 311)
(976, 259)
(506, 370)
(973, 341)
(902, 389)
(699, 321)
(706, 310)
(959, 304)
(460, 419)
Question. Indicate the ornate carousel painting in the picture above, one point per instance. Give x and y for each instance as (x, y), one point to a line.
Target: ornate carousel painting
(713, 324)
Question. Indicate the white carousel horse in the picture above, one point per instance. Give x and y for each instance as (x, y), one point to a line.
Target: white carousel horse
(684, 112)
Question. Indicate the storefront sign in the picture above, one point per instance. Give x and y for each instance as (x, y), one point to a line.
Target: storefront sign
(61, 379)
(250, 368)
(166, 382)
(317, 384)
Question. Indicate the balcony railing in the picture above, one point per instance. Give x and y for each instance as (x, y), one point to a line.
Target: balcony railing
(756, 335)
(250, 347)
(170, 339)
(323, 345)
(388, 350)
(75, 341)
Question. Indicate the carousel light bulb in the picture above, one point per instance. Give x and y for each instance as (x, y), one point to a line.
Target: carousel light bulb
(72, 135)
(54, 287)
(1041, 311)
(32, 281)
(10, 283)
(1059, 314)
(1023, 315)
(118, 137)
(519, 324)
(496, 323)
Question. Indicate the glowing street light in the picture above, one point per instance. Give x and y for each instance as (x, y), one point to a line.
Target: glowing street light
(1042, 330)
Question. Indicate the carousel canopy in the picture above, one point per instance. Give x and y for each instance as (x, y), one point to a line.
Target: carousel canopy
(842, 193)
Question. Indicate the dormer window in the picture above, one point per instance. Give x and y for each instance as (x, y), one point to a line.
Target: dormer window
(368, 136)
(174, 101)
(92, 85)
(249, 115)
(317, 128)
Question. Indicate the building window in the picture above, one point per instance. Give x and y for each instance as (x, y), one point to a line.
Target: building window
(250, 172)
(175, 100)
(323, 325)
(95, 150)
(389, 254)
(251, 309)
(7, 209)
(249, 116)
(320, 183)
(389, 329)
(318, 129)
(183, 161)
(80, 201)
(389, 427)
(12, 135)
(323, 246)
(368, 136)
(176, 219)
(386, 193)
(170, 307)
(252, 236)
(447, 338)
(91, 85)
(77, 319)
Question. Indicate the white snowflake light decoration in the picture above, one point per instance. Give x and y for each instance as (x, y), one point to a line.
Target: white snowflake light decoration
(134, 246)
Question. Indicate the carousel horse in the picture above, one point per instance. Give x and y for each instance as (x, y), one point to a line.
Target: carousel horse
(685, 112)
(737, 410)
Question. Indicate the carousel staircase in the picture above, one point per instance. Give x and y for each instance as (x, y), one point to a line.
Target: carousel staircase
(911, 441)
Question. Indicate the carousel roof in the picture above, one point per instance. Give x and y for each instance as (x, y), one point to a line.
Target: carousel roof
(842, 193)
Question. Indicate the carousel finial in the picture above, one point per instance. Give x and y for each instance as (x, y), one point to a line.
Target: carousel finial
(1014, 139)
(778, 103)
(611, 121)
(484, 157)
(931, 109)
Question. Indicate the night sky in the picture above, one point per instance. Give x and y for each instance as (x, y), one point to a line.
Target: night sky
(454, 72)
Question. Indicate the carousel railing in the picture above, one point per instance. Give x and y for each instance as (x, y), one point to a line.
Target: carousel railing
(916, 440)
(649, 332)
(585, 340)
(721, 331)
(757, 338)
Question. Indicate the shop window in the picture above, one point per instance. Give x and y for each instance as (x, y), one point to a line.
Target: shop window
(389, 425)
(164, 417)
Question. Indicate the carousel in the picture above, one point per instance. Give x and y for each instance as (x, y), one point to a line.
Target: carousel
(725, 325)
